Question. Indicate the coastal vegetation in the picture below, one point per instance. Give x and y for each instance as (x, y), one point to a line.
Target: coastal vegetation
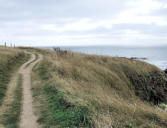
(10, 60)
(84, 91)
(11, 117)
(79, 90)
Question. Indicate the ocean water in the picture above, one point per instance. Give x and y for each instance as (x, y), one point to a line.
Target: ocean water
(154, 55)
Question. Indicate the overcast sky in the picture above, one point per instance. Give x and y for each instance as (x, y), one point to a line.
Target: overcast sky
(83, 22)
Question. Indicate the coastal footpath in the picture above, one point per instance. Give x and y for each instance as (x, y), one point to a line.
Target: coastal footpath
(65, 89)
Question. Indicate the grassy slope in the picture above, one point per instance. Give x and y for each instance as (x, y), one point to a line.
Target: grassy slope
(12, 115)
(10, 60)
(78, 90)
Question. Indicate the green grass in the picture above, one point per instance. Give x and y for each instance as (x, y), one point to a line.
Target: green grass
(62, 113)
(10, 61)
(12, 115)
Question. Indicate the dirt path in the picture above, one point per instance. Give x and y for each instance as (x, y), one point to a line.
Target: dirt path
(28, 118)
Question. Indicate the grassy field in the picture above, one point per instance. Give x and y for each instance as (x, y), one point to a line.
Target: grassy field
(10, 60)
(78, 90)
(11, 116)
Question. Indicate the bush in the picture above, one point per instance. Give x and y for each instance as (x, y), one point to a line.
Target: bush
(150, 87)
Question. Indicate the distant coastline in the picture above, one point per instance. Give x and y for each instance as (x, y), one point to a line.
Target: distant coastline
(153, 55)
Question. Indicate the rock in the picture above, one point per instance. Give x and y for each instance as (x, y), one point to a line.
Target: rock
(138, 58)
(165, 71)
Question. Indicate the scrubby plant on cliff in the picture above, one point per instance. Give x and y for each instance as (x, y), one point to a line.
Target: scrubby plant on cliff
(150, 87)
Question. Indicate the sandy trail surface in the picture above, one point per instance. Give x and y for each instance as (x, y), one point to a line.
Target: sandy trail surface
(28, 118)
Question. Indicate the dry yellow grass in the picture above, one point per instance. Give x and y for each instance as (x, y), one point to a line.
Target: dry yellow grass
(10, 86)
(7, 53)
(10, 58)
(100, 83)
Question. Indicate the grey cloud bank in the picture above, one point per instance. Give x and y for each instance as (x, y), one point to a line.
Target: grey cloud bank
(78, 22)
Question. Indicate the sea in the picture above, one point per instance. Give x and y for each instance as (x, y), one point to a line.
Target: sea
(153, 55)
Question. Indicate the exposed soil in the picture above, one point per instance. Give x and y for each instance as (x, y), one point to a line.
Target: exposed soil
(28, 118)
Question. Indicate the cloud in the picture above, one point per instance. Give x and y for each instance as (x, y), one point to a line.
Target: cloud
(78, 22)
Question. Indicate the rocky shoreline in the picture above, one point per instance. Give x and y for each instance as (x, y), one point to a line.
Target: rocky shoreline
(138, 58)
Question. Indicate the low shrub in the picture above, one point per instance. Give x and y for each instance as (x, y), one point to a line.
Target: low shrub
(151, 87)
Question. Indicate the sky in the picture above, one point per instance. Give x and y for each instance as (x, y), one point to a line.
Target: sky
(83, 22)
